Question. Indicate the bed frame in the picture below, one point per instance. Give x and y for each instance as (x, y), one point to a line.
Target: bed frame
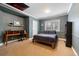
(51, 41)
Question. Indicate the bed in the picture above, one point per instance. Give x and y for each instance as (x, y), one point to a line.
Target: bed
(48, 37)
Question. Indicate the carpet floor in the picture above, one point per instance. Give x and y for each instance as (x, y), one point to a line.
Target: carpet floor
(27, 48)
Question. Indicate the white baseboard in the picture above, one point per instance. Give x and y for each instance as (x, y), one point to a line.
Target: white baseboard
(72, 47)
(74, 51)
(62, 39)
(8, 42)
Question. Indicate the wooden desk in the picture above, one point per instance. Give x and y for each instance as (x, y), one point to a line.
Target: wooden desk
(7, 34)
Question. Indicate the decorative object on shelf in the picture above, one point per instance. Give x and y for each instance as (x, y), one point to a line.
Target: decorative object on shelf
(16, 23)
(10, 24)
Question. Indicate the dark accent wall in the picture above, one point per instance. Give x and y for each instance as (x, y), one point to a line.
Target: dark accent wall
(26, 24)
(63, 20)
(74, 18)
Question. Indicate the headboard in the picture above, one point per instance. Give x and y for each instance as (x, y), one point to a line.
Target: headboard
(48, 32)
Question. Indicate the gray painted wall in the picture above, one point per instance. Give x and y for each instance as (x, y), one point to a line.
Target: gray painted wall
(5, 19)
(74, 17)
(63, 20)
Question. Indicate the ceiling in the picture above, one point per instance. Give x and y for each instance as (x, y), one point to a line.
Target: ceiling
(45, 10)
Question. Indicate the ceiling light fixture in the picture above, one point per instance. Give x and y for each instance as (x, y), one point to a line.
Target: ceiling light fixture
(47, 11)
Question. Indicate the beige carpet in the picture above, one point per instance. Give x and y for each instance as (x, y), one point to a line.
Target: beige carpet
(27, 48)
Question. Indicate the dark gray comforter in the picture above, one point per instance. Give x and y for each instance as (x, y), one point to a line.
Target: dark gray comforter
(45, 37)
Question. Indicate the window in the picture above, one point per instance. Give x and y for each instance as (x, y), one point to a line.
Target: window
(52, 25)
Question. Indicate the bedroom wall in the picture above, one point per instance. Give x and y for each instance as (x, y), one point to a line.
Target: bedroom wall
(63, 20)
(5, 19)
(74, 18)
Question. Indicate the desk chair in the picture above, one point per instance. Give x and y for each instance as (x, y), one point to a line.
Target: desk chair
(21, 36)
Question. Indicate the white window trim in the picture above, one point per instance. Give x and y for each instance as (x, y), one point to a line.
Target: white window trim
(50, 23)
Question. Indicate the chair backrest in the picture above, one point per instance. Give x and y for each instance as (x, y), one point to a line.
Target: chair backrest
(22, 32)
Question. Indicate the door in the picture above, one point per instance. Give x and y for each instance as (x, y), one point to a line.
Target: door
(35, 27)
